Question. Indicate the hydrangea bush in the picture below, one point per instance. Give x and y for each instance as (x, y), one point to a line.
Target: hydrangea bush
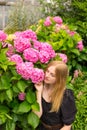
(63, 38)
(23, 59)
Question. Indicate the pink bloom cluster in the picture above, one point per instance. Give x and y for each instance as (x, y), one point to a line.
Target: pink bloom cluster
(3, 36)
(16, 58)
(27, 34)
(27, 71)
(63, 57)
(76, 73)
(28, 51)
(80, 45)
(21, 96)
(47, 21)
(56, 19)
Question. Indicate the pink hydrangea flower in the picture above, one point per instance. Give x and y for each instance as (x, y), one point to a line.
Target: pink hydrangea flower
(16, 58)
(44, 56)
(29, 64)
(48, 48)
(3, 36)
(25, 69)
(37, 75)
(21, 44)
(57, 27)
(63, 57)
(37, 44)
(58, 19)
(47, 21)
(17, 34)
(76, 73)
(31, 54)
(21, 96)
(29, 34)
(71, 33)
(80, 45)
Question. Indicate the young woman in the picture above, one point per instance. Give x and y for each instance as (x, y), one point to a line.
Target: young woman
(57, 105)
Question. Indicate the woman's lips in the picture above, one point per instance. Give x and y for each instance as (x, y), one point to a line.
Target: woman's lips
(46, 78)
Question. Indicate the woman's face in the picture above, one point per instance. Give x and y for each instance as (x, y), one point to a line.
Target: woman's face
(50, 76)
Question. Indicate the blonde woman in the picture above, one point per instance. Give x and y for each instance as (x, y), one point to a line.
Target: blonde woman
(57, 105)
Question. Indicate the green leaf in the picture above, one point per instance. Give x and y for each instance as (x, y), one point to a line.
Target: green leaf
(2, 96)
(75, 51)
(35, 106)
(4, 82)
(15, 88)
(4, 67)
(2, 119)
(24, 107)
(33, 120)
(30, 96)
(3, 109)
(10, 125)
(21, 85)
(9, 93)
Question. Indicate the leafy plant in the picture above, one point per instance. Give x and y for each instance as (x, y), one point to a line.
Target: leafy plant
(79, 85)
(63, 38)
(21, 65)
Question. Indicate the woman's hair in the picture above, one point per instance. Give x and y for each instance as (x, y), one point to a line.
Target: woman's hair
(61, 71)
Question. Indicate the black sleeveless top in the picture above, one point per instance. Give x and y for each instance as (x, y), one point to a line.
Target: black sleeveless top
(65, 115)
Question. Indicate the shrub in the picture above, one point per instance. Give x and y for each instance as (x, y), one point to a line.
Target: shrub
(64, 39)
(79, 85)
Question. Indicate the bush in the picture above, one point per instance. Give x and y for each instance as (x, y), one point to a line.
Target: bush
(79, 85)
(64, 39)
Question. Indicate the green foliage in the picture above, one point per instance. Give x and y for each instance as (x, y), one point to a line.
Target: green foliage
(79, 86)
(73, 12)
(62, 42)
(13, 112)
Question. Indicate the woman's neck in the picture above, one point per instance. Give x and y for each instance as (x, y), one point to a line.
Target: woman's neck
(48, 86)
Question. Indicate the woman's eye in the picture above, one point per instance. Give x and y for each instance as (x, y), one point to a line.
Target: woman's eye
(52, 75)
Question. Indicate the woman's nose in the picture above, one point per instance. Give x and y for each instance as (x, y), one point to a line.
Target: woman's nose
(47, 74)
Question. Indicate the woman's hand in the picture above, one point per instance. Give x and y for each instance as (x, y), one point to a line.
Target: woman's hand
(39, 86)
(39, 90)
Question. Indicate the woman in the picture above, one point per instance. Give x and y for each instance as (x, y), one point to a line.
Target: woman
(57, 105)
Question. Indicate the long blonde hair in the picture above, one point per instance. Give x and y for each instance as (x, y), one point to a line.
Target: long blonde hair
(61, 71)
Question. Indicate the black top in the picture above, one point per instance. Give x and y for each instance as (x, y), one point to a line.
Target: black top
(66, 113)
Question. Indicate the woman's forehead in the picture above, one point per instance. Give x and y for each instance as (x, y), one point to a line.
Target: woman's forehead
(51, 68)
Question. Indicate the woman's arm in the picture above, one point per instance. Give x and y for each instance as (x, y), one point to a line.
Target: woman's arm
(66, 127)
(39, 89)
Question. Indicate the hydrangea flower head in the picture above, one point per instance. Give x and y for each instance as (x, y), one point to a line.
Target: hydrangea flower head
(16, 58)
(21, 44)
(63, 57)
(25, 69)
(58, 19)
(3, 36)
(31, 54)
(80, 45)
(47, 21)
(21, 96)
(37, 75)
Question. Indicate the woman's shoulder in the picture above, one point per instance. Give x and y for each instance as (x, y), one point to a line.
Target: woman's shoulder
(68, 101)
(68, 96)
(68, 92)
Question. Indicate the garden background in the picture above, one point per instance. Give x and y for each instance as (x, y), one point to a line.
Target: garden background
(61, 28)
